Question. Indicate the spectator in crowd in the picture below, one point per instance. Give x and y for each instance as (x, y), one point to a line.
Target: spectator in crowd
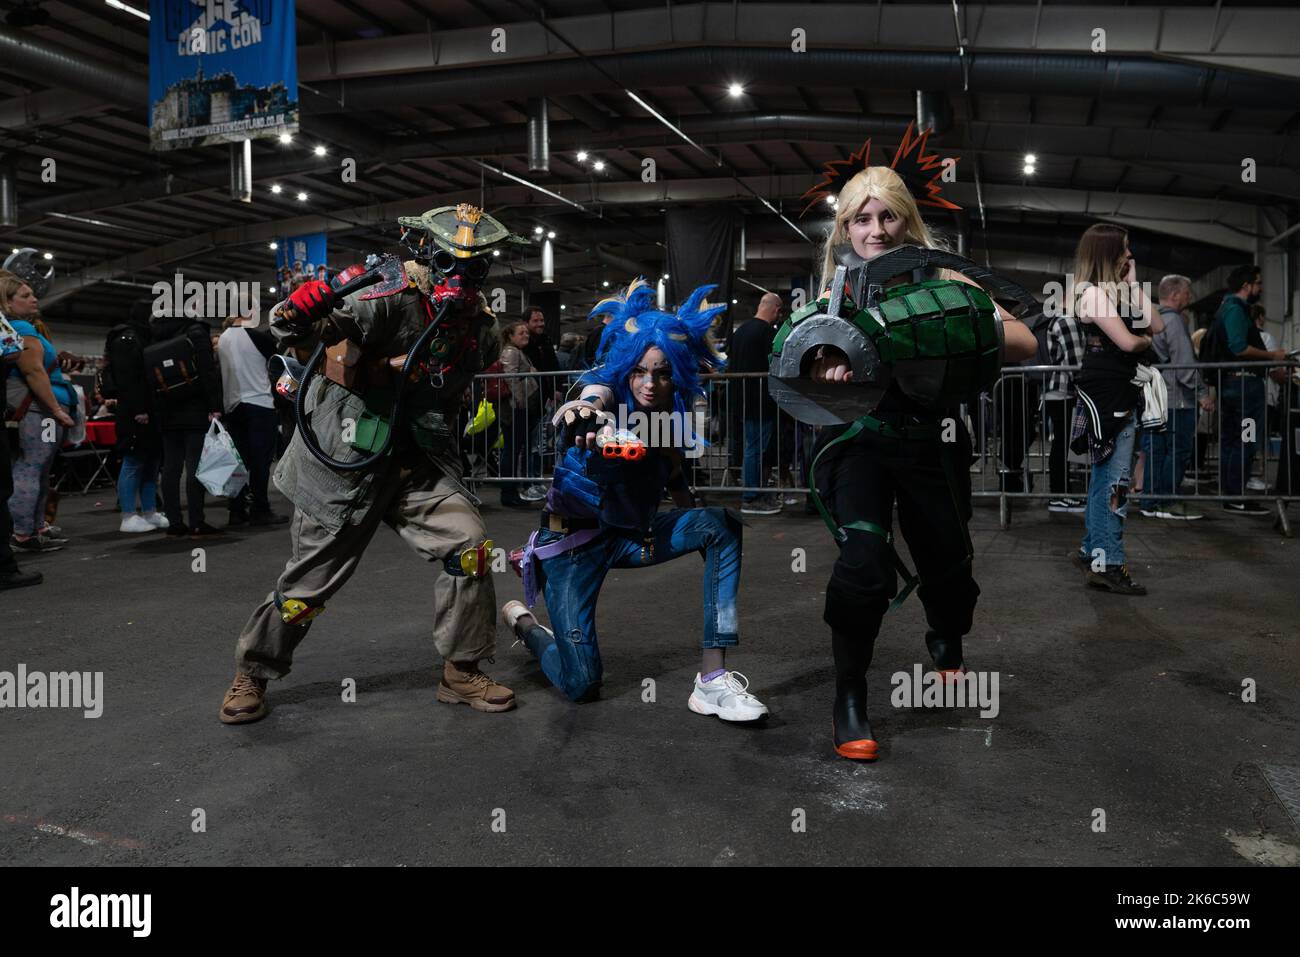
(525, 412)
(1235, 338)
(11, 576)
(592, 344)
(751, 345)
(184, 415)
(41, 401)
(1110, 305)
(250, 416)
(541, 353)
(1064, 348)
(539, 350)
(139, 440)
(1272, 384)
(570, 343)
(1207, 426)
(1169, 452)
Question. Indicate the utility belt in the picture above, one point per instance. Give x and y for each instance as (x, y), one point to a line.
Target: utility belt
(903, 425)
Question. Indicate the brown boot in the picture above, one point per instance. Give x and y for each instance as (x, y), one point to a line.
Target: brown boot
(463, 683)
(245, 701)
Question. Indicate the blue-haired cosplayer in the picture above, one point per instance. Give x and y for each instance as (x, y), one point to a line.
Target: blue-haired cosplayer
(602, 508)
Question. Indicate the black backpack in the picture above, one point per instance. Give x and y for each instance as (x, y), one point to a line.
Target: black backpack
(1214, 347)
(124, 351)
(171, 367)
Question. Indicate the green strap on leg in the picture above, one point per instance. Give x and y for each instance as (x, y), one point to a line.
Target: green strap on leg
(840, 532)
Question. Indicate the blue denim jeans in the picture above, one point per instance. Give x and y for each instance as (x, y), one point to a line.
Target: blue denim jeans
(1105, 522)
(138, 478)
(1168, 455)
(572, 580)
(1242, 398)
(758, 436)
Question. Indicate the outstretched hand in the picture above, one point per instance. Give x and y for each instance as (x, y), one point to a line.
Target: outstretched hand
(582, 422)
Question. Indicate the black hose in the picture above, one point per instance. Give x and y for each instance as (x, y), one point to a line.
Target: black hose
(304, 420)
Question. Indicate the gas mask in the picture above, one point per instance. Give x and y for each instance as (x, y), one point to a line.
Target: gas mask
(457, 279)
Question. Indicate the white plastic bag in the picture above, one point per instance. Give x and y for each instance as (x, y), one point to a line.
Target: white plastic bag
(221, 470)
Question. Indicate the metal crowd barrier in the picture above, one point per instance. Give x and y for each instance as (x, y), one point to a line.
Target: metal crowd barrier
(1020, 436)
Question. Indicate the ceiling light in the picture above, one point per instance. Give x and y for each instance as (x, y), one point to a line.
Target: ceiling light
(1030, 159)
(734, 301)
(1029, 169)
(605, 283)
(119, 5)
(551, 234)
(302, 197)
(736, 89)
(286, 138)
(319, 151)
(598, 165)
(273, 245)
(496, 252)
(49, 255)
(582, 156)
(538, 230)
(665, 275)
(270, 289)
(15, 250)
(276, 188)
(564, 307)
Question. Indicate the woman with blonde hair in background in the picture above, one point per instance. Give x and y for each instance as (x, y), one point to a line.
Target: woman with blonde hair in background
(41, 401)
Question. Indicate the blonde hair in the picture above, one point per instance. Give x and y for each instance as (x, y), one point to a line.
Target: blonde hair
(882, 183)
(1098, 261)
(9, 286)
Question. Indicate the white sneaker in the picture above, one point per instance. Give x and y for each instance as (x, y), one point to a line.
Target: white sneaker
(156, 519)
(1257, 485)
(726, 697)
(533, 493)
(136, 523)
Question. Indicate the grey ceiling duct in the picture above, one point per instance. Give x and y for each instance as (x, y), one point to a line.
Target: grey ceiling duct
(539, 137)
(1132, 79)
(8, 194)
(53, 65)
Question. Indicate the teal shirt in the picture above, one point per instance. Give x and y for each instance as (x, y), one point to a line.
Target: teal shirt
(1236, 323)
(62, 389)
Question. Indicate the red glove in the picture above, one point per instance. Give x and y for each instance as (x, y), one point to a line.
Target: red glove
(310, 302)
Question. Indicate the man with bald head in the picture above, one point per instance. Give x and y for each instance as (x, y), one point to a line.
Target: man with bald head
(751, 346)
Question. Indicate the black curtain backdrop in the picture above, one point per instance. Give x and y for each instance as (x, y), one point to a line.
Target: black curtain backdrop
(700, 240)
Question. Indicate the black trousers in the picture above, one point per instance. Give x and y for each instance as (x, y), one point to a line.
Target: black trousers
(255, 430)
(1059, 413)
(862, 479)
(182, 449)
(7, 562)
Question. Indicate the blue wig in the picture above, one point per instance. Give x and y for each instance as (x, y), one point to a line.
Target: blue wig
(636, 326)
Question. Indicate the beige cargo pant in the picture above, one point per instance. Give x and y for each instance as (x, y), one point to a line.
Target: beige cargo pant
(436, 520)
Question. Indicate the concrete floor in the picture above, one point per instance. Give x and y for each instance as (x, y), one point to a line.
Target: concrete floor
(1128, 705)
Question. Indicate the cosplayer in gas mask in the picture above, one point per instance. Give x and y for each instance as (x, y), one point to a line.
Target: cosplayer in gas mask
(392, 348)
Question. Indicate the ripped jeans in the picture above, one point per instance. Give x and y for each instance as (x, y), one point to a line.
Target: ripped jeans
(1105, 521)
(572, 580)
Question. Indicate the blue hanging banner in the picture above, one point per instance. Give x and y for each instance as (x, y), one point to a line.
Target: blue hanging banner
(221, 71)
(301, 257)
